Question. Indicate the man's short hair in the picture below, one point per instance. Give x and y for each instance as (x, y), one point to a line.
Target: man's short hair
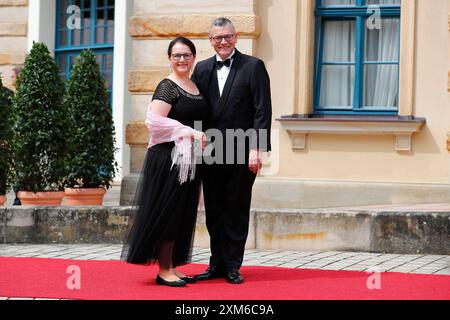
(221, 22)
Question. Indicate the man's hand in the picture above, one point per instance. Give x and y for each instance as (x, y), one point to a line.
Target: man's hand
(255, 160)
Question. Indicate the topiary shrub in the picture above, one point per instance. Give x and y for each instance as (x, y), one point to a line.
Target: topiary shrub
(5, 138)
(40, 124)
(91, 142)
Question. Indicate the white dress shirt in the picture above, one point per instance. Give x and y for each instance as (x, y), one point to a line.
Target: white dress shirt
(222, 74)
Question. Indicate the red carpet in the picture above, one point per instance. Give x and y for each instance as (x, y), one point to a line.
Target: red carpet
(116, 280)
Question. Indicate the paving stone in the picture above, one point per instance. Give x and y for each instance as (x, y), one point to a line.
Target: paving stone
(354, 260)
(289, 265)
(336, 266)
(316, 265)
(428, 269)
(424, 271)
(331, 259)
(402, 269)
(444, 271)
(332, 267)
(439, 265)
(271, 264)
(351, 268)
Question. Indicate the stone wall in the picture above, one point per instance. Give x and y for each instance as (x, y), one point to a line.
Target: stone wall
(369, 230)
(13, 36)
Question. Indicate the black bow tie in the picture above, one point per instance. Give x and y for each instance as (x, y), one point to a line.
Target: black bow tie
(226, 63)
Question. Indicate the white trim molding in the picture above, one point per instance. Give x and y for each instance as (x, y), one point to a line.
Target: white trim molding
(41, 23)
(121, 97)
(407, 57)
(401, 128)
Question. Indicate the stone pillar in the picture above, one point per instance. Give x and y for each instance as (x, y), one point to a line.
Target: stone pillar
(154, 24)
(13, 36)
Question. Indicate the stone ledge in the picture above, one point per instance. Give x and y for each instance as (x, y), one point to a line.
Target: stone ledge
(145, 81)
(5, 59)
(402, 128)
(192, 26)
(12, 58)
(65, 224)
(13, 29)
(316, 229)
(136, 134)
(13, 3)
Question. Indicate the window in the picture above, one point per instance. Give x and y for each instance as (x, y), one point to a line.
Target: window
(85, 24)
(357, 57)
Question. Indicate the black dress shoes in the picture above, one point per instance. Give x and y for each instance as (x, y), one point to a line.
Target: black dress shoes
(188, 279)
(233, 276)
(213, 272)
(177, 283)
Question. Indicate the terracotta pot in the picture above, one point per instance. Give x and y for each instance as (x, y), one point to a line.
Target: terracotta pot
(2, 200)
(84, 196)
(44, 198)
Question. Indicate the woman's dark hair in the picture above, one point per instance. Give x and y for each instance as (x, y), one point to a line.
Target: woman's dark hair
(184, 41)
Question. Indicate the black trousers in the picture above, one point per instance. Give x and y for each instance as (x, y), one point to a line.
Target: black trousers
(227, 190)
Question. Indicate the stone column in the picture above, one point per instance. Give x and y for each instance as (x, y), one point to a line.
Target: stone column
(13, 36)
(154, 24)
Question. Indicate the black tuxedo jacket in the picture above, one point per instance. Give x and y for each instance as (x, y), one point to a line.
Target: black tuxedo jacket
(246, 100)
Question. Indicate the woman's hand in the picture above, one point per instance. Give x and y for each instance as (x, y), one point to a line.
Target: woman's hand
(200, 136)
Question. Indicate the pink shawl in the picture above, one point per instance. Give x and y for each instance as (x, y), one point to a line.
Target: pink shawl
(164, 129)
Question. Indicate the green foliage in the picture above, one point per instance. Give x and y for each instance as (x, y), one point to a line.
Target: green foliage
(91, 142)
(40, 124)
(5, 138)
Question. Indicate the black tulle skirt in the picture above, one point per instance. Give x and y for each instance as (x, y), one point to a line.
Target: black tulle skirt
(164, 211)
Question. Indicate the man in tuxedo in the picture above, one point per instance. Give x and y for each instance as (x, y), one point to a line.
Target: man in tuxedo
(237, 87)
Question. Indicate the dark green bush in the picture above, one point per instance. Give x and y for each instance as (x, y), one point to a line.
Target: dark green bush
(40, 124)
(91, 156)
(5, 138)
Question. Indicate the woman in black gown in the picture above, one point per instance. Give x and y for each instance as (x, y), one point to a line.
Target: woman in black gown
(163, 226)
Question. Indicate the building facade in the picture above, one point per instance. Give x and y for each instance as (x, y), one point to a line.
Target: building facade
(360, 88)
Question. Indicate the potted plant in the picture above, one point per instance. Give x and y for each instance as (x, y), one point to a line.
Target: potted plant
(90, 158)
(5, 141)
(40, 126)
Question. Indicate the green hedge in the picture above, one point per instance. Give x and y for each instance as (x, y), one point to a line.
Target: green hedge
(40, 124)
(91, 142)
(5, 138)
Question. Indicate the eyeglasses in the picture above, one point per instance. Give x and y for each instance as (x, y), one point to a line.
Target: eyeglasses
(178, 56)
(218, 39)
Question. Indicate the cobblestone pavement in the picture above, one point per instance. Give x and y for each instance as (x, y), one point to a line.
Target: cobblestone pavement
(324, 260)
